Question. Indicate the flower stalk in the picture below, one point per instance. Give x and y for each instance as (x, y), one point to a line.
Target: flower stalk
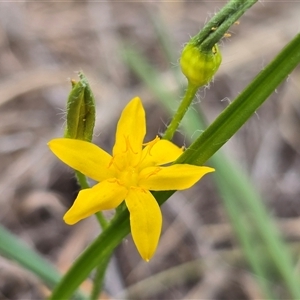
(219, 24)
(201, 57)
(199, 68)
(183, 107)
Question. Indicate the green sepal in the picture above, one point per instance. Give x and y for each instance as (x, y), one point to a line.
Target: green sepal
(199, 66)
(81, 111)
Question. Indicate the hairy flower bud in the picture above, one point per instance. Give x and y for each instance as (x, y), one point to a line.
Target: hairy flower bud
(80, 111)
(198, 66)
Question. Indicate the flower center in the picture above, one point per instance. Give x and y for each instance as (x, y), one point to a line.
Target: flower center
(129, 164)
(126, 173)
(129, 176)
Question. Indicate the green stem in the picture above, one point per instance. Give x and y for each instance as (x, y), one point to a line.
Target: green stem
(84, 185)
(218, 25)
(82, 180)
(99, 278)
(101, 268)
(182, 109)
(92, 256)
(101, 220)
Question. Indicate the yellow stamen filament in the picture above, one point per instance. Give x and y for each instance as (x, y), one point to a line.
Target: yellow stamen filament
(113, 162)
(151, 144)
(128, 145)
(154, 172)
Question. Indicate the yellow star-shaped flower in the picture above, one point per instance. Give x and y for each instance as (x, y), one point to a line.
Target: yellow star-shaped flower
(129, 174)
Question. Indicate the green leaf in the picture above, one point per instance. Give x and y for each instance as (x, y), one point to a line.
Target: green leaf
(96, 254)
(257, 233)
(14, 249)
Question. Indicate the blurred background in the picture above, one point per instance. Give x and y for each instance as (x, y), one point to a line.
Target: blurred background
(43, 44)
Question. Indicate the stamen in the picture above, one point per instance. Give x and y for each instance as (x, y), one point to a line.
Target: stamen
(138, 189)
(154, 172)
(128, 145)
(112, 162)
(151, 144)
(112, 180)
(115, 180)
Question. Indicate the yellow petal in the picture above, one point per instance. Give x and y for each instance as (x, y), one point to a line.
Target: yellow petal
(161, 152)
(131, 129)
(176, 177)
(105, 195)
(145, 221)
(83, 156)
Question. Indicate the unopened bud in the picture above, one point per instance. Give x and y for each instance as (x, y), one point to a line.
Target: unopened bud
(198, 66)
(80, 111)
